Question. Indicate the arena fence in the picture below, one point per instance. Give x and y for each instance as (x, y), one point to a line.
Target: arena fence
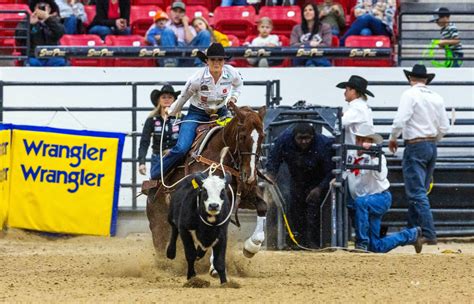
(417, 39)
(9, 20)
(272, 98)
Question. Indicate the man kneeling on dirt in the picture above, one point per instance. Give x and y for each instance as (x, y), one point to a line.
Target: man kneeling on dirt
(308, 157)
(369, 189)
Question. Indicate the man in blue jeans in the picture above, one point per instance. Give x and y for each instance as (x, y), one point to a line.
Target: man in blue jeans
(422, 119)
(372, 199)
(179, 32)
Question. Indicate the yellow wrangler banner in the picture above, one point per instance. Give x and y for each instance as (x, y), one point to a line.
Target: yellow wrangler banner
(4, 172)
(64, 181)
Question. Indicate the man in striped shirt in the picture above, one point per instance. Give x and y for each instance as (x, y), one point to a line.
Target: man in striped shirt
(449, 35)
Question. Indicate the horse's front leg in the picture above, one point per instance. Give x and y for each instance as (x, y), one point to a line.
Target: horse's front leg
(253, 244)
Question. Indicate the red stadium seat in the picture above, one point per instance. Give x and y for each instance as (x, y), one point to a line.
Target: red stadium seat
(235, 20)
(9, 22)
(160, 3)
(90, 12)
(141, 18)
(367, 42)
(83, 40)
(233, 40)
(284, 18)
(193, 11)
(132, 40)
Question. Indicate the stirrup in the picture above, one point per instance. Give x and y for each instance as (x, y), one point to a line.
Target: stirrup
(147, 185)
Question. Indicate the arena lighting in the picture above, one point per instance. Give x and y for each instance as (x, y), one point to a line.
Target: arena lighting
(187, 52)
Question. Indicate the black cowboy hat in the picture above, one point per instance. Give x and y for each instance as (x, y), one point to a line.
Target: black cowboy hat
(356, 82)
(167, 88)
(215, 50)
(440, 12)
(419, 71)
(52, 4)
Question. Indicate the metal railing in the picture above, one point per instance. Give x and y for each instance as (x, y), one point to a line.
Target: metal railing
(9, 22)
(272, 98)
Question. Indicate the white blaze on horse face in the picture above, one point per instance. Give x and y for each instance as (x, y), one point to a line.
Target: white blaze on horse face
(254, 136)
(214, 186)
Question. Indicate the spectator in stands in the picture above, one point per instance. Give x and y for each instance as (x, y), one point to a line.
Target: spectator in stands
(307, 155)
(358, 112)
(332, 14)
(234, 2)
(449, 35)
(372, 199)
(265, 38)
(45, 29)
(374, 17)
(73, 16)
(179, 32)
(422, 120)
(201, 24)
(311, 33)
(156, 127)
(112, 18)
(153, 35)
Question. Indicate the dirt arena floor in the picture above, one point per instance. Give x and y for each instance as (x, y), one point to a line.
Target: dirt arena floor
(94, 269)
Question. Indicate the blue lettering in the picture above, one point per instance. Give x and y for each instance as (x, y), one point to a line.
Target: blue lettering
(26, 174)
(32, 146)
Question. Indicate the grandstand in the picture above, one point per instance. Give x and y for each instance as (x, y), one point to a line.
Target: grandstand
(410, 42)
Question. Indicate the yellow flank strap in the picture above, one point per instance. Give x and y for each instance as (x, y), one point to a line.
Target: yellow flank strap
(290, 233)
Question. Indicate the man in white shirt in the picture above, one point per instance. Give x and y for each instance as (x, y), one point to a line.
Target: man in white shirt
(369, 189)
(358, 112)
(422, 120)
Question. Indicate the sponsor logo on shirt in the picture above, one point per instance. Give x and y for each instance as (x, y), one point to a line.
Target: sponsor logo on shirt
(204, 87)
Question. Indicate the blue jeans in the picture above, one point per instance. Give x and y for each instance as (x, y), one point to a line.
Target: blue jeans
(369, 211)
(70, 25)
(233, 2)
(364, 22)
(55, 61)
(418, 166)
(457, 60)
(187, 134)
(312, 62)
(169, 39)
(102, 31)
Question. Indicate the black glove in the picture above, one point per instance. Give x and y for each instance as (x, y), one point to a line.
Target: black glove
(314, 195)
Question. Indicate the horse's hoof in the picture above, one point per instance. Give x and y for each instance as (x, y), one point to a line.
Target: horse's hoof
(251, 248)
(171, 252)
(213, 272)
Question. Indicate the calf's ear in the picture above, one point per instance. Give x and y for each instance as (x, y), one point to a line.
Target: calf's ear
(198, 179)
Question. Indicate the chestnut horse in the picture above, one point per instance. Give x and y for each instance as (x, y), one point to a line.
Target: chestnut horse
(244, 136)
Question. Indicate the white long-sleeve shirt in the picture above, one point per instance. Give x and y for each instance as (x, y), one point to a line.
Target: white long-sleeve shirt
(357, 113)
(421, 113)
(207, 95)
(367, 182)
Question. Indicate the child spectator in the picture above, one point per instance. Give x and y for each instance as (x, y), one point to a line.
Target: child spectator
(201, 24)
(153, 35)
(264, 38)
(372, 199)
(112, 18)
(311, 33)
(449, 35)
(73, 16)
(374, 17)
(45, 28)
(332, 14)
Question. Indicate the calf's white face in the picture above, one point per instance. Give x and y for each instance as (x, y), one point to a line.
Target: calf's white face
(213, 194)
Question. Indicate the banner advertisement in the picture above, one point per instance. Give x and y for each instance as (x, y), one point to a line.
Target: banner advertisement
(65, 181)
(5, 155)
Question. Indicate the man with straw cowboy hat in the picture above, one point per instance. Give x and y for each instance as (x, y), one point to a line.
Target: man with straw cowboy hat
(422, 120)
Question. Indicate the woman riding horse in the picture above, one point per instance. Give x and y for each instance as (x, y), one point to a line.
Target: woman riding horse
(209, 90)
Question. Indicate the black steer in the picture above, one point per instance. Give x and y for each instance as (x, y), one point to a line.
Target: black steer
(199, 212)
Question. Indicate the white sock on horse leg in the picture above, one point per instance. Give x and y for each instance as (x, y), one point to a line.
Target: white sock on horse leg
(259, 233)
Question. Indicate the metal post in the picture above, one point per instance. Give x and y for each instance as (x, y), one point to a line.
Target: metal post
(1, 101)
(399, 39)
(134, 146)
